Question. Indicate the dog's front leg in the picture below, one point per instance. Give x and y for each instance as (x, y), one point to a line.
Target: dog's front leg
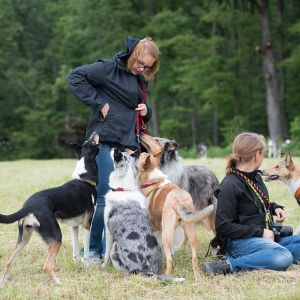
(109, 244)
(74, 235)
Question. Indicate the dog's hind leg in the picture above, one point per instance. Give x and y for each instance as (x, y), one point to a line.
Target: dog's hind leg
(75, 247)
(51, 233)
(25, 233)
(190, 232)
(54, 247)
(179, 239)
(168, 231)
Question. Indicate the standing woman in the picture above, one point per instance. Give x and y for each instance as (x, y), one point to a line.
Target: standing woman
(116, 91)
(245, 214)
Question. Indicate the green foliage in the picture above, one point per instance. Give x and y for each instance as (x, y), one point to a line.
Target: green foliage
(295, 129)
(233, 127)
(219, 151)
(293, 148)
(28, 280)
(188, 153)
(210, 85)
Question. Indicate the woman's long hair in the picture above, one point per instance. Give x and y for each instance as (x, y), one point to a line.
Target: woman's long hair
(146, 45)
(244, 147)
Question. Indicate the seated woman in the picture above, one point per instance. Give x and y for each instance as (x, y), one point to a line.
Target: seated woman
(245, 215)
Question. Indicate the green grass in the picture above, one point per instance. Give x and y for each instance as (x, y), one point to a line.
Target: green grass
(19, 179)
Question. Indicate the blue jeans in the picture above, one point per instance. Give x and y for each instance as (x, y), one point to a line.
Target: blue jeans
(260, 253)
(105, 167)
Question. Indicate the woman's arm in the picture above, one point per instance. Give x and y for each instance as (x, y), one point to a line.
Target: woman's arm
(83, 81)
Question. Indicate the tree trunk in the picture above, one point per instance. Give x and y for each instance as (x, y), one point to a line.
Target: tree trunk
(215, 124)
(215, 121)
(272, 95)
(193, 128)
(151, 8)
(282, 71)
(154, 119)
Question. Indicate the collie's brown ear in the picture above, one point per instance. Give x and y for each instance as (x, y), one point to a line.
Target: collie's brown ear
(144, 161)
(289, 162)
(147, 162)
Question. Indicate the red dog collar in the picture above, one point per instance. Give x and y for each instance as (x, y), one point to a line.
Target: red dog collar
(119, 189)
(144, 186)
(297, 195)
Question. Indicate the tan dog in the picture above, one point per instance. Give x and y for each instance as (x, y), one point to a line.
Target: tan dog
(287, 172)
(199, 181)
(169, 207)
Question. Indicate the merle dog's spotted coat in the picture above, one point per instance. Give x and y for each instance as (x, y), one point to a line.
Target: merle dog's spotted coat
(136, 249)
(130, 243)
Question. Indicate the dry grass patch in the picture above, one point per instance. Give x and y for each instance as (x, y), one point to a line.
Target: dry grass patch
(19, 179)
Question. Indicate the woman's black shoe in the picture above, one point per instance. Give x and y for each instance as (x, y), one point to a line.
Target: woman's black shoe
(217, 267)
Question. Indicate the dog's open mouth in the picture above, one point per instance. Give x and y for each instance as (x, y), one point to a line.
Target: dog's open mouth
(271, 178)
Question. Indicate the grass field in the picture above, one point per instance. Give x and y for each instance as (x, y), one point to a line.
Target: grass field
(19, 179)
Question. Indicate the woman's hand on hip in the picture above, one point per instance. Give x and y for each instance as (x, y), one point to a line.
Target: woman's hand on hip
(268, 234)
(142, 108)
(104, 110)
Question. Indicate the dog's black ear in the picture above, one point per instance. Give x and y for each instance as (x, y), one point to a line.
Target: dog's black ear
(136, 154)
(117, 155)
(95, 151)
(76, 148)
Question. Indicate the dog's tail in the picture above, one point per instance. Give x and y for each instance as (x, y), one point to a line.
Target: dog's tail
(194, 216)
(7, 219)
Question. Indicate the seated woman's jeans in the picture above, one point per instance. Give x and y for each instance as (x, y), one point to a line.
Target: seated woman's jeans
(105, 167)
(260, 253)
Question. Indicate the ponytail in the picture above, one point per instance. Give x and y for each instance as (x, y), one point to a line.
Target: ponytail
(244, 147)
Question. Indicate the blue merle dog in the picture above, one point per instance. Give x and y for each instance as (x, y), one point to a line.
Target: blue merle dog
(130, 244)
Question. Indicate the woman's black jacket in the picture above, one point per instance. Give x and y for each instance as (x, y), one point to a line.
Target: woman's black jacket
(109, 81)
(240, 213)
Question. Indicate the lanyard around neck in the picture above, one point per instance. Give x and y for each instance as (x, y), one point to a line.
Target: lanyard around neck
(263, 198)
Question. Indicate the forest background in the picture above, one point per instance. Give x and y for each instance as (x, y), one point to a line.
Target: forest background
(226, 66)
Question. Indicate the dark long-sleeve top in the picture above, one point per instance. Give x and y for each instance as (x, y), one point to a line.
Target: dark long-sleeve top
(240, 214)
(109, 81)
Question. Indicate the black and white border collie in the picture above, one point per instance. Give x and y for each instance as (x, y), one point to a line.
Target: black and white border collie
(71, 203)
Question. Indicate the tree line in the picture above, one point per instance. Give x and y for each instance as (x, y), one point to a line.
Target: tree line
(226, 66)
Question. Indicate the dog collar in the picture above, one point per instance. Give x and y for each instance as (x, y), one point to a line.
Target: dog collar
(93, 183)
(119, 189)
(297, 195)
(144, 186)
